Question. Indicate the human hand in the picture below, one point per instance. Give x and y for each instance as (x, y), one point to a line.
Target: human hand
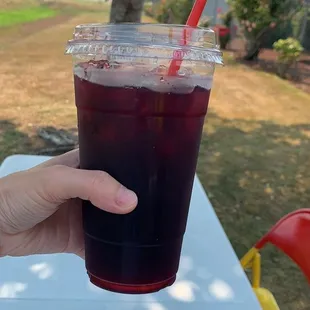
(40, 209)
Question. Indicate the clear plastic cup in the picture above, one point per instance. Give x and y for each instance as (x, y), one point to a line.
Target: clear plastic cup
(143, 127)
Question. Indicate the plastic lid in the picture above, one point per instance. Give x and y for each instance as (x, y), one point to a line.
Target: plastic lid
(147, 41)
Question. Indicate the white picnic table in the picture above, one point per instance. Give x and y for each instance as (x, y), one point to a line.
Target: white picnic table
(210, 276)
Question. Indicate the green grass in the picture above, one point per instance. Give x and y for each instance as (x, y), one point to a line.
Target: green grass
(15, 17)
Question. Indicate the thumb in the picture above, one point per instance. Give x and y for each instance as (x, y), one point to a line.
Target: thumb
(62, 183)
(27, 198)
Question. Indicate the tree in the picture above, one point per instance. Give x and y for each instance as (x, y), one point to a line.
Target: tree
(174, 11)
(126, 11)
(259, 18)
(301, 22)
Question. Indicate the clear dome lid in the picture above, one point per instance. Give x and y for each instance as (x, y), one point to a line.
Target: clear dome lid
(158, 41)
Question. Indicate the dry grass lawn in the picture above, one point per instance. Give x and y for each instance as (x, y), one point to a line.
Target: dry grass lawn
(254, 159)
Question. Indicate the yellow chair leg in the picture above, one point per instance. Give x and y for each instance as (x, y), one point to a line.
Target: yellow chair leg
(252, 260)
(256, 271)
(266, 299)
(247, 259)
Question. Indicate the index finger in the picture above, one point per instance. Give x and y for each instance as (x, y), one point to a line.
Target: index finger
(70, 159)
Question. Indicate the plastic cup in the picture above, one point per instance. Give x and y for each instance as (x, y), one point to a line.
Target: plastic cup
(143, 127)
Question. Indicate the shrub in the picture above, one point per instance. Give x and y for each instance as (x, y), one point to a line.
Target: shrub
(289, 50)
(224, 35)
(164, 13)
(149, 9)
(223, 30)
(227, 18)
(174, 11)
(205, 23)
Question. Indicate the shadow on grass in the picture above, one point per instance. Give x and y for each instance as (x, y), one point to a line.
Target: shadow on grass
(14, 141)
(255, 172)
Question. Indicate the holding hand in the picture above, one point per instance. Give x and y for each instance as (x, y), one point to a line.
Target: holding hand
(40, 209)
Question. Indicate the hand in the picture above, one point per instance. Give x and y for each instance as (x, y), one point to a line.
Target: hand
(40, 209)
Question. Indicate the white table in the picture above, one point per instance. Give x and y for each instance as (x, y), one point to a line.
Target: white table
(209, 277)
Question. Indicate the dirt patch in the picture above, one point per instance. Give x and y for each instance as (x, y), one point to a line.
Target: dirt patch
(30, 28)
(298, 76)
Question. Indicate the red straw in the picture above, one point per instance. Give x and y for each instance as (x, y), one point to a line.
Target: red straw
(196, 13)
(192, 21)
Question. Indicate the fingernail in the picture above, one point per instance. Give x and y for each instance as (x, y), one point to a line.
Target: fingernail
(126, 198)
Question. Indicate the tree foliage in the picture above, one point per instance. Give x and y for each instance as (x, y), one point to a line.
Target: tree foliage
(259, 17)
(126, 11)
(174, 11)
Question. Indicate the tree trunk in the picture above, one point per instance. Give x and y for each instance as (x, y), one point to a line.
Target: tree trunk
(254, 45)
(282, 69)
(304, 24)
(252, 54)
(126, 11)
(252, 50)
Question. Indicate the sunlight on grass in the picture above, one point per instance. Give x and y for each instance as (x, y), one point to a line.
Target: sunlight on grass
(14, 17)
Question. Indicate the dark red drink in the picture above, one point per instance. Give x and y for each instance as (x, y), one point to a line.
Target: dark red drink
(148, 140)
(141, 123)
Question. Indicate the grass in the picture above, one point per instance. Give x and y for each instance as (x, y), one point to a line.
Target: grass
(255, 166)
(254, 159)
(19, 16)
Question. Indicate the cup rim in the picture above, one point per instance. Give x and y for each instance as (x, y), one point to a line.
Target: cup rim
(145, 40)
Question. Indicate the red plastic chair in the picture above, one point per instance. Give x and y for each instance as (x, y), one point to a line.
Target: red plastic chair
(292, 236)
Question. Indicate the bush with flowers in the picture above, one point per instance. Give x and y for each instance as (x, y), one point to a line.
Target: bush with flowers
(289, 50)
(223, 35)
(223, 30)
